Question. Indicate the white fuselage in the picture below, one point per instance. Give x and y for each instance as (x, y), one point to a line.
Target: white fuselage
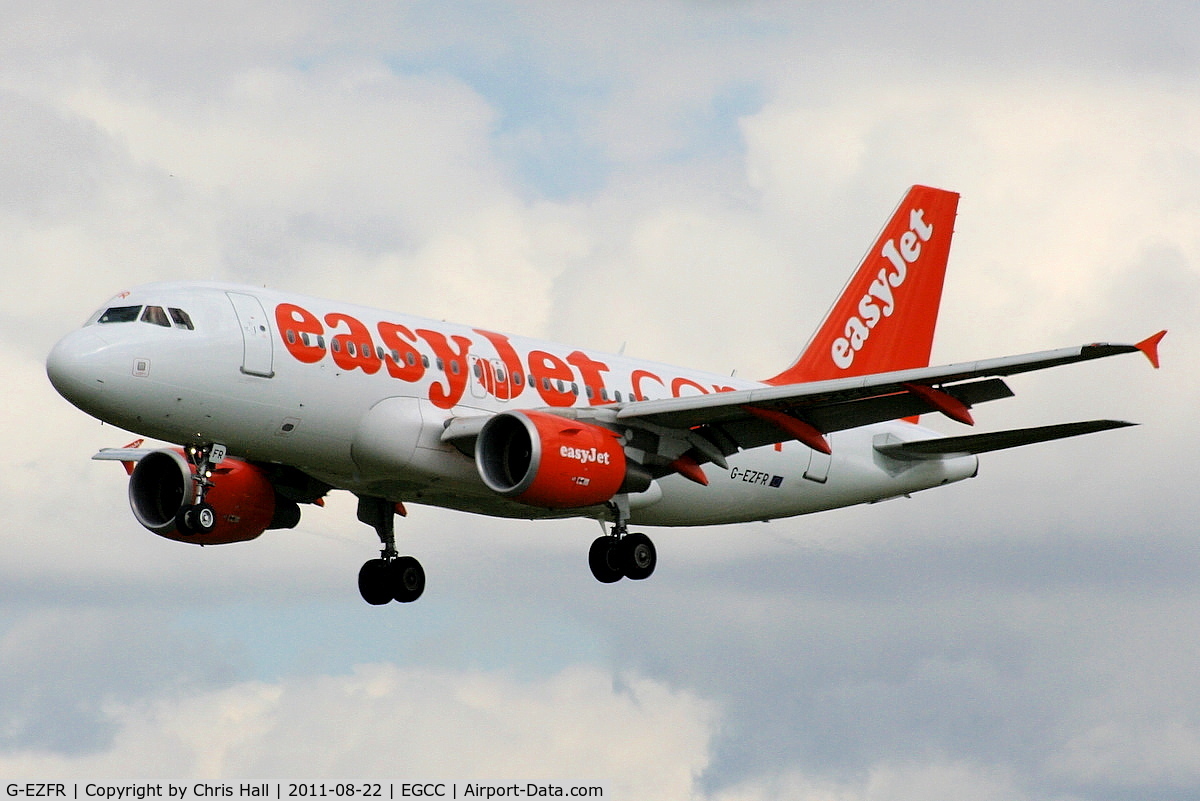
(359, 398)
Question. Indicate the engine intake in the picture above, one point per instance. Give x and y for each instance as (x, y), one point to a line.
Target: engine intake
(549, 461)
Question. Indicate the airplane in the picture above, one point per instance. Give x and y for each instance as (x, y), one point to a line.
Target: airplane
(273, 399)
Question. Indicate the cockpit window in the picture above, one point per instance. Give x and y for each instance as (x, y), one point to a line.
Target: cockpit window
(182, 319)
(120, 314)
(156, 316)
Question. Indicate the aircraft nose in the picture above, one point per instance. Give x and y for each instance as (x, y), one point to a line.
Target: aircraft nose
(71, 366)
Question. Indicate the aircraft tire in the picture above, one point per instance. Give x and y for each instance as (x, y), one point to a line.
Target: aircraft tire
(200, 518)
(604, 558)
(205, 518)
(374, 582)
(407, 579)
(639, 556)
(182, 526)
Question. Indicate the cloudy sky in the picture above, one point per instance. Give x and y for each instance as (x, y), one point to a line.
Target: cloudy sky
(693, 179)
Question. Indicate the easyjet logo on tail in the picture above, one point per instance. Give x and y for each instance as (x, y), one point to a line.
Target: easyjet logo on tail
(885, 317)
(879, 301)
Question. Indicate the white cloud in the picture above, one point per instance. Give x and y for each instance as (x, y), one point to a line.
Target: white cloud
(633, 736)
(1071, 199)
(1164, 751)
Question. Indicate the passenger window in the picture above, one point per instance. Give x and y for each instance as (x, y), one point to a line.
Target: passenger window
(120, 314)
(156, 316)
(182, 319)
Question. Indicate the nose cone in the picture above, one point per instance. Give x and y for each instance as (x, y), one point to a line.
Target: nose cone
(72, 367)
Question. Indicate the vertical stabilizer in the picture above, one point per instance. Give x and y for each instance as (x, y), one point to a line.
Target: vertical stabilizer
(885, 317)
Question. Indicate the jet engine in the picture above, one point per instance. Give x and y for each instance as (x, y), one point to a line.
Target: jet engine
(552, 462)
(242, 500)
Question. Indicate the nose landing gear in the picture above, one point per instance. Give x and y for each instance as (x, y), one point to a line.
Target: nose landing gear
(200, 517)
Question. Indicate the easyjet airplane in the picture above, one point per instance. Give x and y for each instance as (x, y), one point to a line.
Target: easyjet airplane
(276, 399)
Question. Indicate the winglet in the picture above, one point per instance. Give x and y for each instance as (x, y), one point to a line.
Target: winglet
(129, 466)
(1149, 346)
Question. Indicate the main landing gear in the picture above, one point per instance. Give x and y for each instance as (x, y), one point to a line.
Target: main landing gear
(199, 517)
(391, 577)
(620, 554)
(616, 555)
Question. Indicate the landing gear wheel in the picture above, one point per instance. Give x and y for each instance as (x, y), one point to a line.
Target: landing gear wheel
(205, 518)
(638, 556)
(198, 518)
(604, 558)
(375, 582)
(391, 577)
(407, 579)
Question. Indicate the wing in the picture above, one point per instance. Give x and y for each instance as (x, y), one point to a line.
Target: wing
(671, 434)
(129, 456)
(765, 415)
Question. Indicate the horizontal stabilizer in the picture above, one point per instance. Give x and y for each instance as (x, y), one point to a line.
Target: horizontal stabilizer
(995, 441)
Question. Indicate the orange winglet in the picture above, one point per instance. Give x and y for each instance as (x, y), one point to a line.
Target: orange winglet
(796, 428)
(1149, 346)
(943, 402)
(129, 466)
(687, 467)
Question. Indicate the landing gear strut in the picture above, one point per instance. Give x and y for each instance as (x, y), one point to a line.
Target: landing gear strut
(391, 577)
(199, 517)
(620, 554)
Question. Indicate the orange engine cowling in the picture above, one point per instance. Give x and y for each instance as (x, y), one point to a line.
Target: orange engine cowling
(243, 497)
(549, 461)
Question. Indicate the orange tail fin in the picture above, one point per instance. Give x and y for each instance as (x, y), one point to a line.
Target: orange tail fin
(885, 317)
